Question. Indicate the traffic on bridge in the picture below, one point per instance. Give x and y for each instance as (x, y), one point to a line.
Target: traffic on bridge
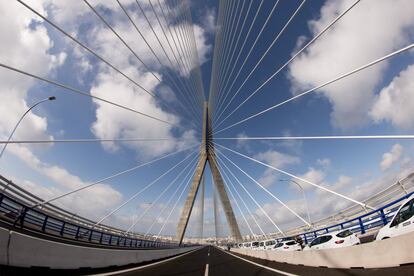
(188, 137)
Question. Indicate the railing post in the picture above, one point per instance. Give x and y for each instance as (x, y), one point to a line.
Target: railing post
(77, 233)
(383, 217)
(342, 226)
(110, 239)
(361, 225)
(305, 238)
(100, 239)
(44, 223)
(90, 235)
(62, 229)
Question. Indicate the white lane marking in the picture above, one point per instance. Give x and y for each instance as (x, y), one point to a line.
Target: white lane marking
(263, 266)
(208, 254)
(206, 272)
(145, 266)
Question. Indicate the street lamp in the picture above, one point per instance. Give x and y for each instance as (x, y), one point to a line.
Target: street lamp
(52, 98)
(304, 196)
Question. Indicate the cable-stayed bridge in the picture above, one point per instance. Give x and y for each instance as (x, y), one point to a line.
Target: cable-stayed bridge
(41, 234)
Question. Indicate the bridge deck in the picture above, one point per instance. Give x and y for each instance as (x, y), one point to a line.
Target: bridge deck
(212, 261)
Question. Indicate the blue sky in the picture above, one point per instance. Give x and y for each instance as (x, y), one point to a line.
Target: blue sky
(377, 101)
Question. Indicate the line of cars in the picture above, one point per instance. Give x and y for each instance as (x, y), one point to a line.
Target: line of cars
(335, 239)
(401, 223)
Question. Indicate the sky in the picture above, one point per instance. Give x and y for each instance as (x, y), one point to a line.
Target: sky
(182, 70)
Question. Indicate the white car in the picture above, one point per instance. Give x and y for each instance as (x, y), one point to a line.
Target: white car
(247, 244)
(261, 246)
(255, 245)
(401, 223)
(269, 244)
(336, 239)
(288, 245)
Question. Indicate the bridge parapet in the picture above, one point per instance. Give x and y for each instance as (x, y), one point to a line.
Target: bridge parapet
(385, 253)
(16, 210)
(20, 250)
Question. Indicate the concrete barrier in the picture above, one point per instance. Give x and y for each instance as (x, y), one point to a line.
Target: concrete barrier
(4, 240)
(386, 253)
(26, 251)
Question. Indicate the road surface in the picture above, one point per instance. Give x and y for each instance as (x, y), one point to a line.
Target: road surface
(212, 261)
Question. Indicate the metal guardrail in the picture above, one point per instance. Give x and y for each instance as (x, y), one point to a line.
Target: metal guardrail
(22, 216)
(360, 224)
(16, 208)
(388, 194)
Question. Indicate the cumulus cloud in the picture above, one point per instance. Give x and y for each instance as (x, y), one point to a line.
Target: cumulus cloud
(277, 160)
(324, 162)
(112, 123)
(323, 205)
(208, 21)
(93, 202)
(392, 157)
(395, 102)
(359, 37)
(313, 175)
(18, 36)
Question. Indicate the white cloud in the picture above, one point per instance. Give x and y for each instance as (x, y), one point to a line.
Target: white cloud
(208, 21)
(359, 37)
(312, 175)
(113, 123)
(73, 15)
(243, 144)
(294, 146)
(395, 102)
(277, 160)
(27, 47)
(93, 202)
(323, 204)
(324, 162)
(391, 157)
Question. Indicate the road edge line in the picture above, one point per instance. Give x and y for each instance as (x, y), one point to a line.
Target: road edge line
(144, 266)
(263, 266)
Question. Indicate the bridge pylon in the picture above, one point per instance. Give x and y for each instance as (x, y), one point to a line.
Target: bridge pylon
(207, 154)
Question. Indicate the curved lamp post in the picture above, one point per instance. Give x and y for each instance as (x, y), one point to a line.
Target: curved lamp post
(52, 98)
(304, 196)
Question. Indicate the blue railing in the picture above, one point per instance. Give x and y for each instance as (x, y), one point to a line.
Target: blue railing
(20, 215)
(370, 220)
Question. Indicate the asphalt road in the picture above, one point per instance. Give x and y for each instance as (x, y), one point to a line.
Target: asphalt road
(212, 261)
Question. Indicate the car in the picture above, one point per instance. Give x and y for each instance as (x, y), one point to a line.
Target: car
(287, 245)
(401, 223)
(247, 245)
(261, 246)
(269, 244)
(255, 245)
(335, 239)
